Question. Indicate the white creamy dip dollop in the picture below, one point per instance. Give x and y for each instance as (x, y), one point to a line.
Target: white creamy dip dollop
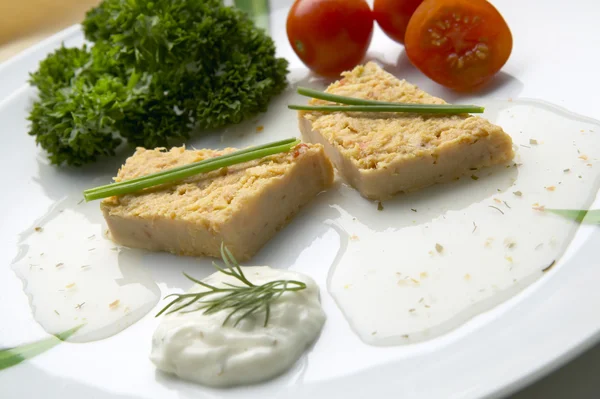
(197, 347)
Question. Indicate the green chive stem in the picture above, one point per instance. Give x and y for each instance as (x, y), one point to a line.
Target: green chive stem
(398, 107)
(411, 108)
(184, 167)
(185, 171)
(335, 98)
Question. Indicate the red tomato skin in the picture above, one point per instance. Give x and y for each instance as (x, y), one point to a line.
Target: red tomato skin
(330, 36)
(393, 16)
(459, 55)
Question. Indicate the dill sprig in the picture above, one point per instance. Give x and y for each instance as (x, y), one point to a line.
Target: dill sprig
(243, 300)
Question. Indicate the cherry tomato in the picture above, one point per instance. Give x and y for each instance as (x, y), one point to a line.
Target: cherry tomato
(393, 16)
(330, 36)
(458, 43)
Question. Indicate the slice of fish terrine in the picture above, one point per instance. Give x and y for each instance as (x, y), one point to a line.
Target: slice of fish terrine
(242, 206)
(382, 154)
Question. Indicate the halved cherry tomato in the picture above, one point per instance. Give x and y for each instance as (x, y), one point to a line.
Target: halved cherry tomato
(393, 16)
(330, 36)
(458, 43)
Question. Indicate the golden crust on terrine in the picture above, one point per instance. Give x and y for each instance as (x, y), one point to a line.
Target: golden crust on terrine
(382, 154)
(242, 206)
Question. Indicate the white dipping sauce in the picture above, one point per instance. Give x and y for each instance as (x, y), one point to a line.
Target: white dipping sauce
(428, 261)
(424, 263)
(74, 275)
(197, 347)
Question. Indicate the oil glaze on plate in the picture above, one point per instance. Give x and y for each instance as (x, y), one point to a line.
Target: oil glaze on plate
(443, 285)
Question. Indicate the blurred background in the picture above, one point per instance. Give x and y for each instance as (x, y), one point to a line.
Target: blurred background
(23, 23)
(26, 22)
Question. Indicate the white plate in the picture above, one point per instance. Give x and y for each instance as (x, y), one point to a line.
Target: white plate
(491, 355)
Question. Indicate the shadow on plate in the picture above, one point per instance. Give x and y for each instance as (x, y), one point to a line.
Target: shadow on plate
(271, 388)
(58, 182)
(423, 206)
(307, 226)
(36, 383)
(502, 85)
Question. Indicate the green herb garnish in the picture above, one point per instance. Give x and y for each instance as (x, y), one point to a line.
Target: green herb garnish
(578, 215)
(353, 104)
(158, 71)
(13, 356)
(410, 108)
(242, 300)
(185, 171)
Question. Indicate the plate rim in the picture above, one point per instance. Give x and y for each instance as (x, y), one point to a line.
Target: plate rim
(33, 54)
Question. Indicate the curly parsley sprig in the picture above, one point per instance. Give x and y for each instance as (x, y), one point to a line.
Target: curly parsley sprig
(158, 71)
